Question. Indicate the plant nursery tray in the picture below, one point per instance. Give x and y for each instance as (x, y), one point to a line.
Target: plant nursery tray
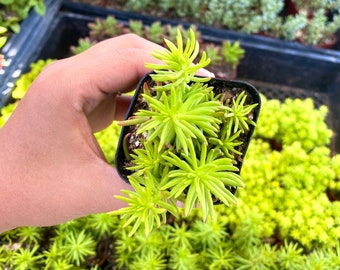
(277, 69)
(205, 30)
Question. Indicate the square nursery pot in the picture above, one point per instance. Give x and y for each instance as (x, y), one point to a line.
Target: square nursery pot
(230, 88)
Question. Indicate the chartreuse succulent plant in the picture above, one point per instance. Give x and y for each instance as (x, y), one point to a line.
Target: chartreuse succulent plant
(188, 135)
(232, 52)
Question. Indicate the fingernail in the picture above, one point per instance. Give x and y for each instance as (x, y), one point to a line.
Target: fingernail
(205, 72)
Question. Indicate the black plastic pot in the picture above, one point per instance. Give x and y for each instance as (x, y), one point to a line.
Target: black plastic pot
(233, 88)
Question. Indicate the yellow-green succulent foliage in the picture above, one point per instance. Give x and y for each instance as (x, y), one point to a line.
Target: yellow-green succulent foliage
(177, 162)
(287, 216)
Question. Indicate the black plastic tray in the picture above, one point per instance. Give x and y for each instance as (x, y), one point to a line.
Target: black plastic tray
(205, 30)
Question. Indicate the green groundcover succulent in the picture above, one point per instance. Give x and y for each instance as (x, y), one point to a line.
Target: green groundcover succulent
(188, 136)
(287, 216)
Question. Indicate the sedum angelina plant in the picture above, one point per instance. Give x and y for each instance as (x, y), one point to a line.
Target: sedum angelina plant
(188, 136)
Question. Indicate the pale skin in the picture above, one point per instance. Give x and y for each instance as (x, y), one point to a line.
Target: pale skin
(52, 169)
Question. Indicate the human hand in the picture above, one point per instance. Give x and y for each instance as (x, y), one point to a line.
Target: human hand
(52, 169)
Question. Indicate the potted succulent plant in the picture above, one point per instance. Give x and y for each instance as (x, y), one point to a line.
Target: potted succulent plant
(184, 138)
